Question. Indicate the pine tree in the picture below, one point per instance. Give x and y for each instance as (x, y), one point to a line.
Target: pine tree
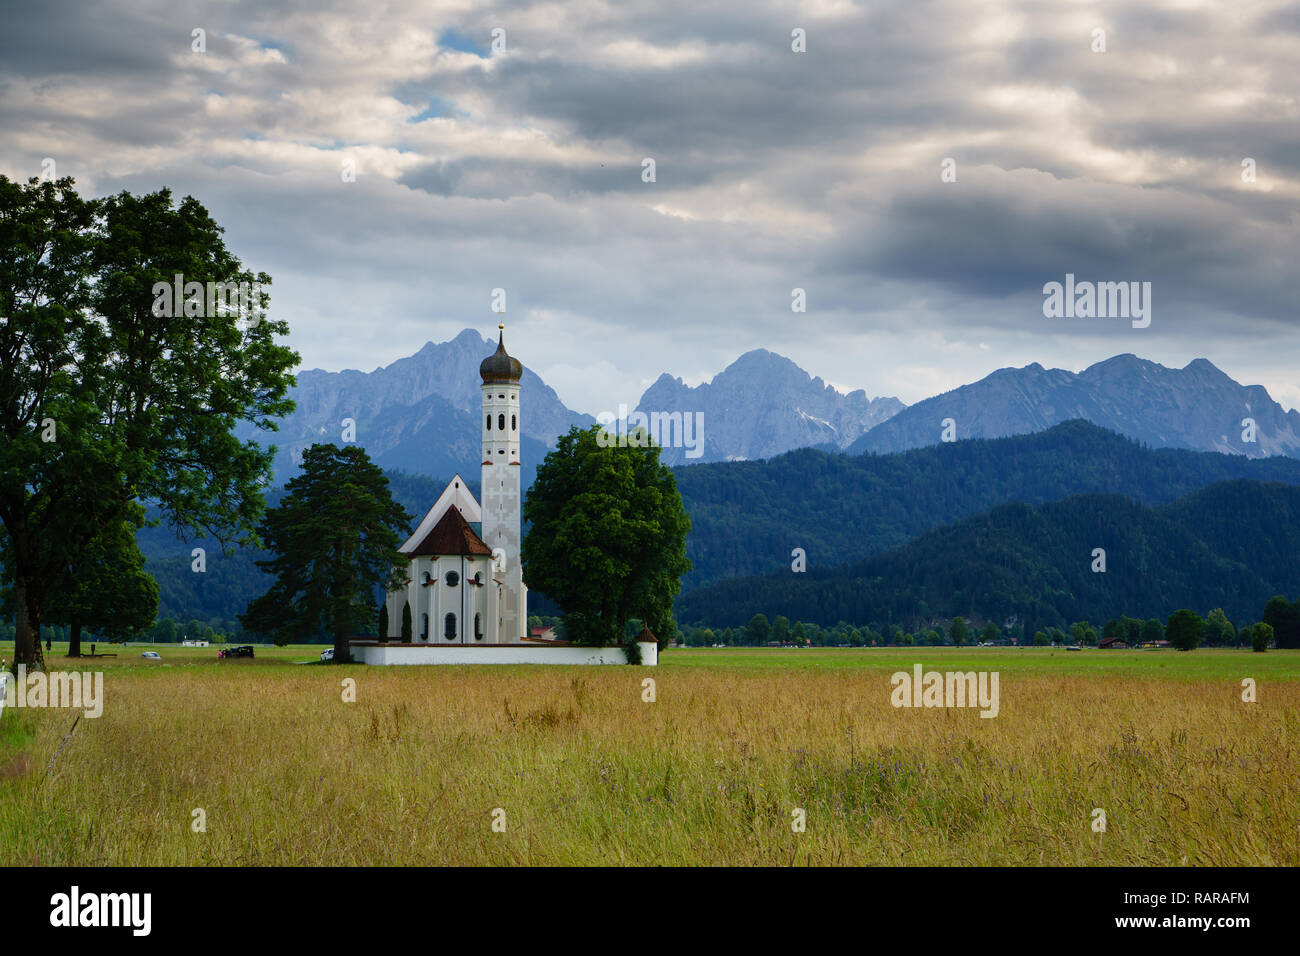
(334, 536)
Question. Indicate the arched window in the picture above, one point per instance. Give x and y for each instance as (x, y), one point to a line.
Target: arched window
(478, 627)
(501, 422)
(424, 627)
(449, 626)
(489, 423)
(513, 423)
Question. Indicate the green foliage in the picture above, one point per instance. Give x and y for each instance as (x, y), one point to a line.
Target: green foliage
(1152, 631)
(781, 629)
(990, 633)
(607, 536)
(1284, 617)
(383, 622)
(334, 538)
(106, 402)
(1185, 629)
(1041, 639)
(959, 631)
(1130, 629)
(757, 631)
(107, 586)
(1218, 629)
(1261, 636)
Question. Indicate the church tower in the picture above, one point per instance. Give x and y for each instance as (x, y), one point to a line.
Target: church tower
(501, 493)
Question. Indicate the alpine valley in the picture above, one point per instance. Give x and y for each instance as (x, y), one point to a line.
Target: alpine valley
(791, 462)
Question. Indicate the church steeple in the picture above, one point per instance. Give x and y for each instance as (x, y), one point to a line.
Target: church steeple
(501, 489)
(500, 366)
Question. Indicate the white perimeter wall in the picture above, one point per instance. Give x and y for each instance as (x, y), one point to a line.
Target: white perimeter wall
(496, 654)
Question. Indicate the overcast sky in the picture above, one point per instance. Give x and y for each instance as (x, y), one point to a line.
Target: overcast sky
(522, 169)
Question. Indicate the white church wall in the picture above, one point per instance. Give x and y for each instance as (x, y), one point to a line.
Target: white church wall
(404, 654)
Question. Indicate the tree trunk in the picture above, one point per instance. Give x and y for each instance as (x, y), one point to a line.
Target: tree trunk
(341, 652)
(27, 640)
(74, 638)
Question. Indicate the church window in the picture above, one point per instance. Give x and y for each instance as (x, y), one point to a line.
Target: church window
(501, 423)
(500, 396)
(449, 626)
(513, 423)
(428, 579)
(489, 423)
(424, 627)
(478, 627)
(452, 579)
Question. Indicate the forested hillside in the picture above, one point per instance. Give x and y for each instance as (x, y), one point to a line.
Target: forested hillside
(1232, 546)
(229, 582)
(746, 517)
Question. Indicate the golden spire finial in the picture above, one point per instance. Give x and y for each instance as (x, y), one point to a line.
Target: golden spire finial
(501, 326)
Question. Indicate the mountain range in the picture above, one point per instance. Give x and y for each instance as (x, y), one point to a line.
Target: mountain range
(420, 413)
(763, 404)
(1197, 407)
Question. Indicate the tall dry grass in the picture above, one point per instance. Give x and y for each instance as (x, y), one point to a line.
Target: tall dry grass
(587, 773)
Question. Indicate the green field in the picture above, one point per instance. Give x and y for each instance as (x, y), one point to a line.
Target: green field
(285, 771)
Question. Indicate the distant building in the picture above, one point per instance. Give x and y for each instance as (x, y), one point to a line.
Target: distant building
(1108, 642)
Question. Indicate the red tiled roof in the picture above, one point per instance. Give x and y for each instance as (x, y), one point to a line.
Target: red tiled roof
(451, 535)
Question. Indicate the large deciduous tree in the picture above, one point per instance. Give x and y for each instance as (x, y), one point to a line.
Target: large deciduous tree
(334, 536)
(106, 399)
(107, 588)
(607, 537)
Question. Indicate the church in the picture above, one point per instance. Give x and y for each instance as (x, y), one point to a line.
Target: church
(465, 586)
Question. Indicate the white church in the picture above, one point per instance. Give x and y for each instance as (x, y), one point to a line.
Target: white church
(465, 587)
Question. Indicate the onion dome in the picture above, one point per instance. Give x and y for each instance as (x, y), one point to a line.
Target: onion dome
(499, 366)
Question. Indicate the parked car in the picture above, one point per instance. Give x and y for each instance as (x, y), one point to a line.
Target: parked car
(243, 650)
(327, 654)
(152, 655)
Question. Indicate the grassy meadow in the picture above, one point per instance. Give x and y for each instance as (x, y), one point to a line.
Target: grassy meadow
(586, 772)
